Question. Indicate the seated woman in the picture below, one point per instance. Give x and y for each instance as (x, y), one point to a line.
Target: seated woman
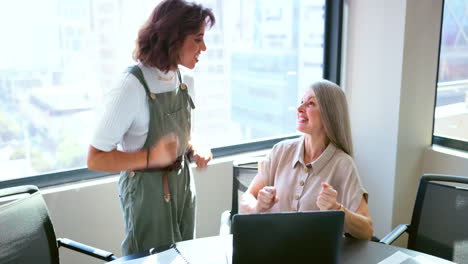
(315, 171)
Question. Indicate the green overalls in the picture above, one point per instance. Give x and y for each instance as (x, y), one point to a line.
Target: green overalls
(159, 206)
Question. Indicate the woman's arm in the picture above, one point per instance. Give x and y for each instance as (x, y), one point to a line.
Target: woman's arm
(258, 197)
(115, 161)
(162, 154)
(359, 223)
(248, 202)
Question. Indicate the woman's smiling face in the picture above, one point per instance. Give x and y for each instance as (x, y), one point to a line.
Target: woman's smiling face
(309, 120)
(193, 45)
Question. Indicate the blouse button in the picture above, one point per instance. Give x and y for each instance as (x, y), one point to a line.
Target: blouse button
(296, 197)
(306, 169)
(301, 183)
(132, 173)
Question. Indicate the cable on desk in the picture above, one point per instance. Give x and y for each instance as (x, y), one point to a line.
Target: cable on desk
(180, 254)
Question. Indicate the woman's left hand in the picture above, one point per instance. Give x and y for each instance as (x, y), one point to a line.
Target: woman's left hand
(327, 198)
(202, 157)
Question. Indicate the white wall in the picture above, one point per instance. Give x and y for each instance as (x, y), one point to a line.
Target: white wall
(374, 55)
(420, 58)
(390, 77)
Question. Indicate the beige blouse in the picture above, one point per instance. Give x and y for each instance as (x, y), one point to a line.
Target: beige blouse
(298, 185)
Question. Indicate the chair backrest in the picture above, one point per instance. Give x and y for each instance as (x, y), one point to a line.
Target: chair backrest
(243, 173)
(439, 225)
(26, 232)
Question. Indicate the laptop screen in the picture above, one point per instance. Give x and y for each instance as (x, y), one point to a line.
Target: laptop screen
(287, 237)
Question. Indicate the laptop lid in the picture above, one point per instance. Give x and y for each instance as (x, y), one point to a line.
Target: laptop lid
(287, 237)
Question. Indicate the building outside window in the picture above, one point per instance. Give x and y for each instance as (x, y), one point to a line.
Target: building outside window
(451, 112)
(59, 59)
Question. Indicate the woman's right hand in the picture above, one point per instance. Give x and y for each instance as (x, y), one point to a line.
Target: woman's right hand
(164, 152)
(266, 198)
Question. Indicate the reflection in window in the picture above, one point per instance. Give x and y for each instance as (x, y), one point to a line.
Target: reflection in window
(63, 56)
(451, 113)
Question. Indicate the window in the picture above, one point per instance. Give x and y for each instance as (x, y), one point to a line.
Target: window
(451, 111)
(63, 56)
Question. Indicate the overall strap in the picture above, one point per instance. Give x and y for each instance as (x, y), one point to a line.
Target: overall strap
(183, 88)
(136, 71)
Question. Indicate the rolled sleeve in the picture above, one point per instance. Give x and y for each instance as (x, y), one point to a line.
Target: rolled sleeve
(355, 191)
(265, 172)
(118, 114)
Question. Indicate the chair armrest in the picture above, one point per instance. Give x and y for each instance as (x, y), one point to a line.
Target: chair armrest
(85, 249)
(394, 234)
(225, 223)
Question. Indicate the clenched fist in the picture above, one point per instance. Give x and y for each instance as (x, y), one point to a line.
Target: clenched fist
(327, 198)
(266, 198)
(164, 152)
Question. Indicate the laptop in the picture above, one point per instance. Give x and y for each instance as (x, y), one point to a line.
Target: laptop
(299, 237)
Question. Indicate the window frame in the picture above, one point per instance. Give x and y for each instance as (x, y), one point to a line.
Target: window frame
(440, 140)
(450, 143)
(333, 25)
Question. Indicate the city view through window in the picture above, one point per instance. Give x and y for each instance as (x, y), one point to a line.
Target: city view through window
(451, 113)
(59, 58)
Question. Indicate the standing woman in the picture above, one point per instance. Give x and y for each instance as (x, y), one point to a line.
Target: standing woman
(144, 131)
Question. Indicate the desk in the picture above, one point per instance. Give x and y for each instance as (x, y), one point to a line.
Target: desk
(218, 249)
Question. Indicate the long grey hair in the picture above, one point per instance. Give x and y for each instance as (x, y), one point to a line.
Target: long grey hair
(334, 112)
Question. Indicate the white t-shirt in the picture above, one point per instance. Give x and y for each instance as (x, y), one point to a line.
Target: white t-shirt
(124, 120)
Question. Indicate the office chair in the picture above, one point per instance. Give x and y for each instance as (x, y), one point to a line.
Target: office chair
(26, 231)
(439, 225)
(243, 173)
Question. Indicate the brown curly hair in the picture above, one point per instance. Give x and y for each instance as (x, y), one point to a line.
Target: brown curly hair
(161, 37)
